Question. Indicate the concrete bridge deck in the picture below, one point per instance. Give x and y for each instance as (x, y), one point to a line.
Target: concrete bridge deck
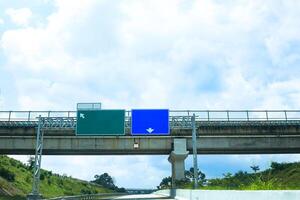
(211, 139)
(127, 145)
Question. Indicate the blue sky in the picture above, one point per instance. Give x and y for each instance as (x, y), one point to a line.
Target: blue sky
(150, 54)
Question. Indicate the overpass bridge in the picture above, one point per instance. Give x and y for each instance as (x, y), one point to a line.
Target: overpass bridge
(217, 132)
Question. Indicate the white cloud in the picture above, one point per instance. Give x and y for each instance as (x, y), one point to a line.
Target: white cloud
(1, 21)
(20, 16)
(144, 44)
(144, 51)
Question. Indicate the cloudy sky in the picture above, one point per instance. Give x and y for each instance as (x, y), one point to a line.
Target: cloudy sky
(172, 54)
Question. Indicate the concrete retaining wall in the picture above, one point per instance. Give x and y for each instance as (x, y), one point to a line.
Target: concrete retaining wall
(181, 194)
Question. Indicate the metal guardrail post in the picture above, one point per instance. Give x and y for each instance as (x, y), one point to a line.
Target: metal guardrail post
(267, 116)
(285, 114)
(28, 115)
(9, 115)
(247, 115)
(227, 112)
(208, 115)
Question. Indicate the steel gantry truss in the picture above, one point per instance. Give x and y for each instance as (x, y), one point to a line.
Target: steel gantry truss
(35, 194)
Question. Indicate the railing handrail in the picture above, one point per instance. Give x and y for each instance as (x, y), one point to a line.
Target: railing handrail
(209, 115)
(169, 109)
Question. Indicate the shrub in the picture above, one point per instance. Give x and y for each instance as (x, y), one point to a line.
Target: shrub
(28, 179)
(60, 182)
(49, 173)
(7, 174)
(279, 166)
(42, 176)
(85, 191)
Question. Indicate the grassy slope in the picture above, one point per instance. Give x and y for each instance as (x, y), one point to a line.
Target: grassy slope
(286, 178)
(52, 184)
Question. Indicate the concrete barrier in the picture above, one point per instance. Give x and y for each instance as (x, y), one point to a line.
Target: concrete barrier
(182, 194)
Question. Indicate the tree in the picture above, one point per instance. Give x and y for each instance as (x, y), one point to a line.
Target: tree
(278, 166)
(105, 180)
(227, 181)
(255, 168)
(121, 190)
(190, 175)
(31, 162)
(227, 175)
(165, 183)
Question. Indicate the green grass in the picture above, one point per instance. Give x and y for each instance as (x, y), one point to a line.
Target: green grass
(52, 185)
(280, 176)
(12, 198)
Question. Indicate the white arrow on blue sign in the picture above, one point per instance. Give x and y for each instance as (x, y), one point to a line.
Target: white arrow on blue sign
(150, 122)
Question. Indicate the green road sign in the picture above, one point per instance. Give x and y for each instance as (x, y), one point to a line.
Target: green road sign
(100, 122)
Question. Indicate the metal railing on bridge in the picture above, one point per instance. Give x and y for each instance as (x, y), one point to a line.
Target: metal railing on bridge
(178, 118)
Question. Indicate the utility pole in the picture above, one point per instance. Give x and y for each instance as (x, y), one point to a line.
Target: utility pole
(194, 140)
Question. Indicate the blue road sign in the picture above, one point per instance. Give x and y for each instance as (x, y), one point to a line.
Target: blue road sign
(150, 122)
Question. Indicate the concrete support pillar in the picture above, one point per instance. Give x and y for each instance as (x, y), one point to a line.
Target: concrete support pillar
(176, 158)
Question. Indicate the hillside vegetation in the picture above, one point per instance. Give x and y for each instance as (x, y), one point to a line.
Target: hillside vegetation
(16, 182)
(280, 176)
